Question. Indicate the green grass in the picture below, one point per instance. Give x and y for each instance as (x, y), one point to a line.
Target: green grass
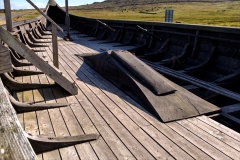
(28, 14)
(207, 13)
(225, 13)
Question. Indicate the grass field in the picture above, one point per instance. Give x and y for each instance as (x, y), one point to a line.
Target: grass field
(225, 13)
(25, 14)
(208, 13)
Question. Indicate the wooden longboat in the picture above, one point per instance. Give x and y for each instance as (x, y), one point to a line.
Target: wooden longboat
(48, 118)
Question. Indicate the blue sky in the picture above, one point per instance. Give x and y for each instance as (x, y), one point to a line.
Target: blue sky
(23, 4)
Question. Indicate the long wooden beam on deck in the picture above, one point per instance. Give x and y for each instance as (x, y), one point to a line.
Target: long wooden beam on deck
(49, 70)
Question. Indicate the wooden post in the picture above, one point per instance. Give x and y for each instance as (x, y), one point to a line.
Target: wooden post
(67, 23)
(8, 15)
(55, 46)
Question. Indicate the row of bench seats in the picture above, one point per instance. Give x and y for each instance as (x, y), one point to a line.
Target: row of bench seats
(210, 63)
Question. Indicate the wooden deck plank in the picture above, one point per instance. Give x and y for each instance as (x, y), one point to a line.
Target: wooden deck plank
(111, 120)
(200, 143)
(119, 144)
(101, 149)
(97, 105)
(68, 116)
(220, 127)
(85, 150)
(200, 155)
(166, 143)
(63, 47)
(224, 148)
(125, 119)
(45, 125)
(102, 154)
(127, 130)
(93, 76)
(216, 133)
(60, 129)
(41, 115)
(30, 119)
(44, 122)
(177, 139)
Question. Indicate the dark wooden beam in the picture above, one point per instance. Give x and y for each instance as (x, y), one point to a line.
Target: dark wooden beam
(67, 23)
(55, 46)
(8, 15)
(42, 144)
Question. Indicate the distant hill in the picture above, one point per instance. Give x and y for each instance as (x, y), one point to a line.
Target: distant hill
(116, 4)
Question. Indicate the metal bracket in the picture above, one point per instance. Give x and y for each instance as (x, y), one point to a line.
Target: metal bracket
(42, 144)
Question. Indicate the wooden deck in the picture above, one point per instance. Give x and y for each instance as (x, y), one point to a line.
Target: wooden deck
(127, 130)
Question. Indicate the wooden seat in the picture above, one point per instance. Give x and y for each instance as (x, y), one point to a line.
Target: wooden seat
(177, 56)
(125, 38)
(223, 65)
(111, 36)
(100, 33)
(154, 46)
(201, 57)
(140, 41)
(88, 29)
(169, 49)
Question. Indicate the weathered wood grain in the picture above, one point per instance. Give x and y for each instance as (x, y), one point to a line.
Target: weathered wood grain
(126, 122)
(117, 147)
(5, 60)
(198, 141)
(168, 131)
(11, 133)
(218, 144)
(8, 15)
(55, 46)
(184, 144)
(37, 61)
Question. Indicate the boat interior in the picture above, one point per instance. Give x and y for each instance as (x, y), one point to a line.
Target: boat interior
(92, 104)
